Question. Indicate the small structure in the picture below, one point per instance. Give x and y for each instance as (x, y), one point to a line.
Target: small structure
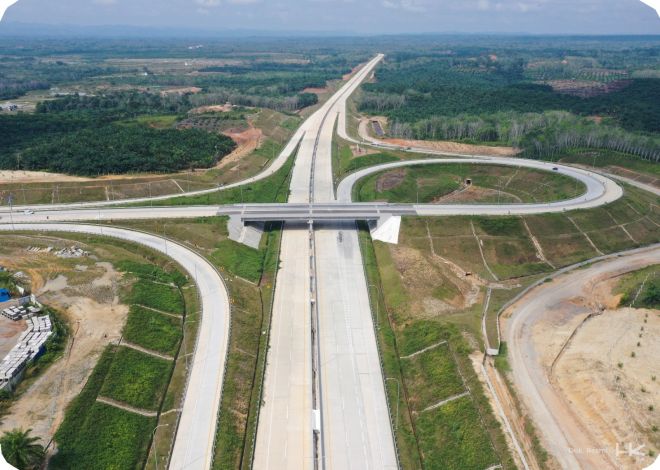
(31, 344)
(4, 295)
(71, 252)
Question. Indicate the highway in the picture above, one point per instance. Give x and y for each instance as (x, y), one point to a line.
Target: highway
(324, 396)
(193, 448)
(559, 427)
(293, 383)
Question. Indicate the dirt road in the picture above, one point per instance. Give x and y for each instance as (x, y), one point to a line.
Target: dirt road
(537, 328)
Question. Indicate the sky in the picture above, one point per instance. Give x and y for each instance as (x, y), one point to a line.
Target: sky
(352, 16)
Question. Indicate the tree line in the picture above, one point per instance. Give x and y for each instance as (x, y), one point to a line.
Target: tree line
(540, 135)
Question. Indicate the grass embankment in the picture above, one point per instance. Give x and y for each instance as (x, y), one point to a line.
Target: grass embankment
(640, 289)
(96, 435)
(426, 303)
(347, 157)
(246, 360)
(250, 278)
(461, 434)
(489, 184)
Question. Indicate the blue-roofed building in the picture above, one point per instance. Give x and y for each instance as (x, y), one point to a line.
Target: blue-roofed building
(4, 295)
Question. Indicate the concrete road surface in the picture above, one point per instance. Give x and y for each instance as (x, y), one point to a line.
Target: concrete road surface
(559, 429)
(600, 189)
(193, 448)
(284, 435)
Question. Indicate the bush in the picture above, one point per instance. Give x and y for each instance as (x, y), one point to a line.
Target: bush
(500, 226)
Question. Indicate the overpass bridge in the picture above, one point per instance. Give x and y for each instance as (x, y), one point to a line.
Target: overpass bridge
(315, 212)
(246, 221)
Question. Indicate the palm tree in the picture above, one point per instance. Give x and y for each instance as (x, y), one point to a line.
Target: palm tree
(21, 450)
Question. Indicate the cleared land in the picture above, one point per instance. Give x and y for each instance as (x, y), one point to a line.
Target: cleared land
(592, 366)
(138, 385)
(86, 293)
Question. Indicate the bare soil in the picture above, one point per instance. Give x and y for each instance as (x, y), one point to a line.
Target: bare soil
(455, 147)
(87, 295)
(421, 274)
(390, 180)
(217, 108)
(473, 194)
(248, 141)
(21, 176)
(611, 393)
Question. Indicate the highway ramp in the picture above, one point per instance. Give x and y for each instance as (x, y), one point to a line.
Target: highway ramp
(195, 436)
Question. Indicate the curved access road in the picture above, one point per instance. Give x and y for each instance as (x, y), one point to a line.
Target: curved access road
(600, 190)
(195, 436)
(560, 429)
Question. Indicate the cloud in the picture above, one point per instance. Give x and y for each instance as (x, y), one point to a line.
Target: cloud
(655, 4)
(105, 2)
(208, 3)
(416, 6)
(4, 4)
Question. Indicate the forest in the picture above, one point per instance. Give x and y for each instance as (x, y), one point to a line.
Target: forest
(91, 136)
(474, 95)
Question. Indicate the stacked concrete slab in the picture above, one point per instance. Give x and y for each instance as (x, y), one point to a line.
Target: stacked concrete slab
(30, 344)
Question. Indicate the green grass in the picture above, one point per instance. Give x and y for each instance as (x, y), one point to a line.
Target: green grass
(452, 437)
(275, 188)
(77, 410)
(410, 189)
(641, 287)
(604, 158)
(431, 376)
(108, 438)
(369, 160)
(158, 296)
(137, 379)
(248, 346)
(153, 330)
(409, 455)
(151, 272)
(429, 182)
(239, 259)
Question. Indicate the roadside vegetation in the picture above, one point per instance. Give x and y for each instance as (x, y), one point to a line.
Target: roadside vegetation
(640, 289)
(430, 291)
(250, 278)
(128, 389)
(440, 415)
